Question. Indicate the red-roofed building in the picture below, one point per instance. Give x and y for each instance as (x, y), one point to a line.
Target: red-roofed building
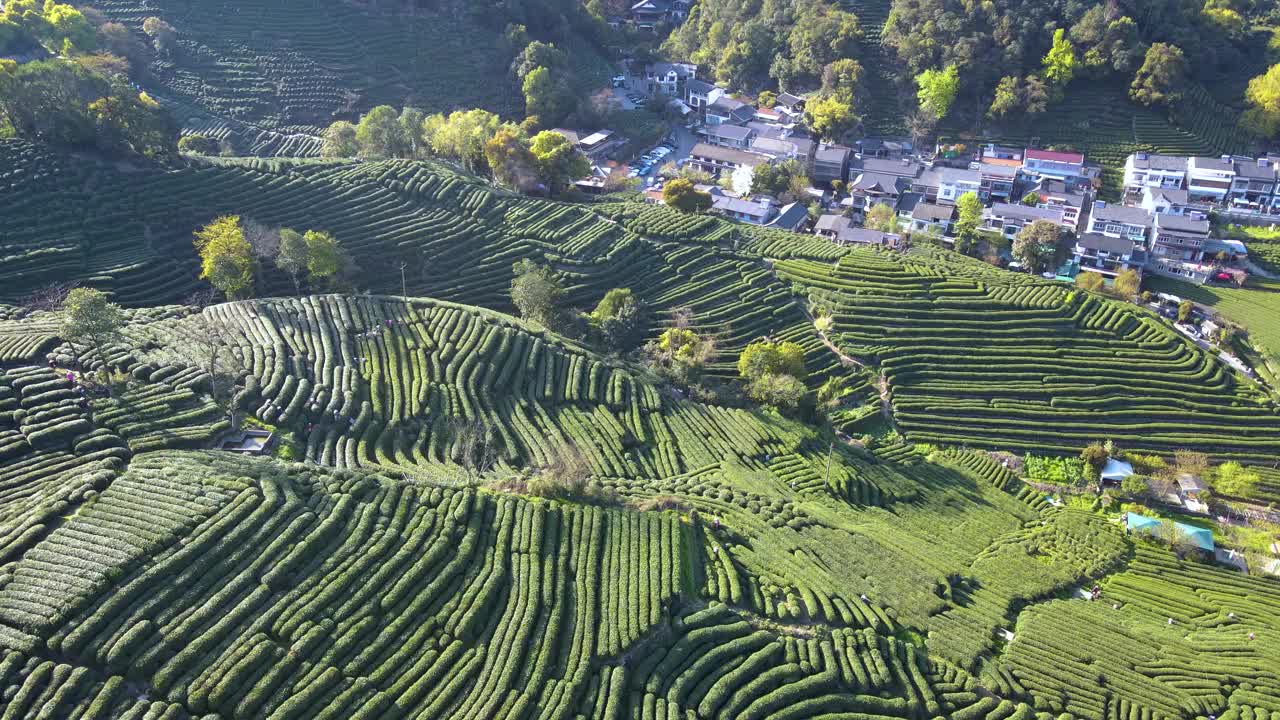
(1040, 164)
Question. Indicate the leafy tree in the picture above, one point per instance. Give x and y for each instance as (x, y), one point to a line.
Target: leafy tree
(830, 117)
(937, 89)
(538, 54)
(1035, 95)
(767, 358)
(545, 96)
(132, 123)
(1263, 98)
(883, 218)
(226, 258)
(1162, 76)
(162, 35)
(1036, 244)
(293, 256)
(67, 30)
(1127, 283)
(198, 144)
(1135, 485)
(340, 140)
(1184, 310)
(557, 161)
(1091, 281)
(509, 159)
(1235, 480)
(780, 391)
(90, 319)
(843, 79)
(1095, 456)
(380, 135)
(411, 126)
(1031, 199)
(536, 292)
(766, 99)
(325, 257)
(682, 353)
(462, 135)
(1007, 99)
(969, 209)
(1060, 62)
(779, 179)
(681, 195)
(617, 318)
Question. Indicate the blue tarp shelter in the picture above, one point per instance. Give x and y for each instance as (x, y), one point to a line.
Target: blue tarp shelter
(1200, 537)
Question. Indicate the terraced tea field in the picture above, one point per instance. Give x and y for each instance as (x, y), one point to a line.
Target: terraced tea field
(999, 360)
(268, 75)
(702, 560)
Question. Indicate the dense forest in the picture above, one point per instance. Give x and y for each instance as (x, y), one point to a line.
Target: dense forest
(1000, 59)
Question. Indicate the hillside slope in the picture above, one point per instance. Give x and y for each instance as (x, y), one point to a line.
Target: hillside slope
(269, 75)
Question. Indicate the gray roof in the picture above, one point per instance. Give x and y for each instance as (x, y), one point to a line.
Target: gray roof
(900, 168)
(865, 235)
(871, 181)
(728, 155)
(831, 154)
(1212, 163)
(955, 175)
(1182, 224)
(928, 178)
(1096, 241)
(804, 145)
(789, 100)
(730, 132)
(931, 212)
(1121, 214)
(701, 87)
(1177, 196)
(1147, 161)
(1058, 189)
(1024, 212)
(738, 205)
(790, 216)
(831, 223)
(774, 146)
(1250, 168)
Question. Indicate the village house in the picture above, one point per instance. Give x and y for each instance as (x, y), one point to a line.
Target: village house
(869, 189)
(1210, 179)
(1254, 184)
(1008, 218)
(753, 211)
(927, 217)
(1037, 164)
(992, 154)
(1107, 255)
(719, 161)
(996, 181)
(698, 94)
(831, 162)
(954, 182)
(727, 111)
(841, 230)
(792, 216)
(904, 168)
(1146, 170)
(730, 136)
(1178, 247)
(1119, 221)
(1058, 194)
(1168, 201)
(650, 14)
(668, 78)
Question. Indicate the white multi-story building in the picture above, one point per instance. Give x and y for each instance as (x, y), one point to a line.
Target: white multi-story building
(1210, 178)
(1145, 170)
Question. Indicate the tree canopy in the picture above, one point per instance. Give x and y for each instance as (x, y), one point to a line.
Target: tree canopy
(226, 258)
(680, 194)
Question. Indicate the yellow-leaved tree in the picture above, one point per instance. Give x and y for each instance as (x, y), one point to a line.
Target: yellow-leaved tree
(226, 258)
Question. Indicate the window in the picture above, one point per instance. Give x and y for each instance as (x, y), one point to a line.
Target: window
(1112, 228)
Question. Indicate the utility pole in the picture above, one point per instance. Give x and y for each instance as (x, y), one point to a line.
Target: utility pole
(830, 448)
(404, 293)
